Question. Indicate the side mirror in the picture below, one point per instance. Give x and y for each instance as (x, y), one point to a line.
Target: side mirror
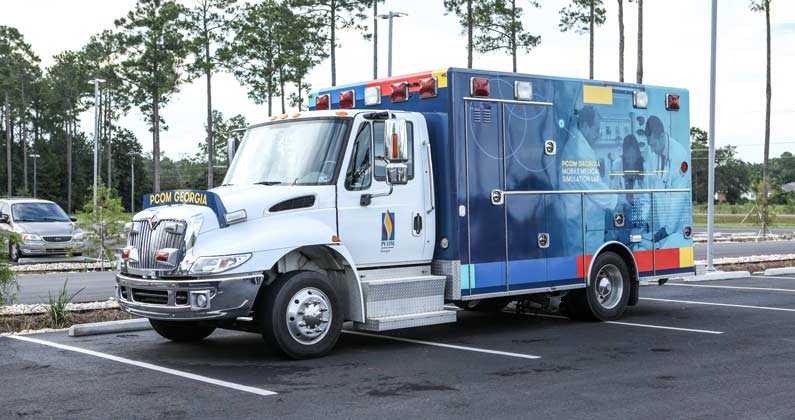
(4, 218)
(396, 151)
(232, 144)
(74, 219)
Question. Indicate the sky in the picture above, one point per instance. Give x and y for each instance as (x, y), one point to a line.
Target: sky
(676, 54)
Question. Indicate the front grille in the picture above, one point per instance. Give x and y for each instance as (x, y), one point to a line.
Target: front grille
(148, 241)
(57, 238)
(155, 297)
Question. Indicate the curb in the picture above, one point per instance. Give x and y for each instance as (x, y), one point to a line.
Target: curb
(779, 271)
(110, 327)
(718, 275)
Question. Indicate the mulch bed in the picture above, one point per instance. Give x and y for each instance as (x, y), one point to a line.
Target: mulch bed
(755, 267)
(16, 323)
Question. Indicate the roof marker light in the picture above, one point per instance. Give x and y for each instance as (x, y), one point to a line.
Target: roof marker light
(347, 99)
(400, 92)
(428, 88)
(672, 102)
(323, 102)
(480, 87)
(372, 95)
(523, 90)
(640, 99)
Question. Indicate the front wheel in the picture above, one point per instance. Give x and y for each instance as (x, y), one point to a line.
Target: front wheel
(14, 253)
(607, 294)
(300, 314)
(184, 331)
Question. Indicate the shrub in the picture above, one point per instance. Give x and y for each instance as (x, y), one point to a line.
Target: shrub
(57, 306)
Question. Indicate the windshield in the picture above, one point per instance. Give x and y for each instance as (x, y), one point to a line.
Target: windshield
(289, 153)
(38, 212)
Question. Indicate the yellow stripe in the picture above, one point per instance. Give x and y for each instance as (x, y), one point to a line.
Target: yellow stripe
(601, 95)
(441, 77)
(686, 257)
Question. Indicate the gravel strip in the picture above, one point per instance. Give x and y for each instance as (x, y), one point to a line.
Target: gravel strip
(41, 308)
(61, 267)
(750, 259)
(41, 331)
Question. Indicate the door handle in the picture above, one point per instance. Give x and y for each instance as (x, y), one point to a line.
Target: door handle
(417, 224)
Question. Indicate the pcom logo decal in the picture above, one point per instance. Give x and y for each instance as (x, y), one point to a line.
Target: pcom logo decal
(387, 230)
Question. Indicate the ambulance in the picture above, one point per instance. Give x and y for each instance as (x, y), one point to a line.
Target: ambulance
(399, 202)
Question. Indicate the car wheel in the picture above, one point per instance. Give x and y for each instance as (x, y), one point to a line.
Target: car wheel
(184, 331)
(299, 314)
(14, 253)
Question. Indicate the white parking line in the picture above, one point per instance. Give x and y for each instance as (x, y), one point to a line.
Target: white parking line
(774, 277)
(150, 366)
(730, 305)
(709, 286)
(448, 346)
(633, 324)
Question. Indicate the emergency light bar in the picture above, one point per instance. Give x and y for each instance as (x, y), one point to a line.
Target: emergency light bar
(372, 95)
(672, 102)
(480, 87)
(428, 88)
(523, 91)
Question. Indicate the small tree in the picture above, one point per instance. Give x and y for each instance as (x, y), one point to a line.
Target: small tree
(583, 16)
(499, 26)
(104, 224)
(8, 281)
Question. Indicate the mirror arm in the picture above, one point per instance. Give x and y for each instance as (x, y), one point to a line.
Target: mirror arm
(366, 199)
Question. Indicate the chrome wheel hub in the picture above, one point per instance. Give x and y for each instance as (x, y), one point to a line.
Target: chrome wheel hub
(309, 315)
(609, 286)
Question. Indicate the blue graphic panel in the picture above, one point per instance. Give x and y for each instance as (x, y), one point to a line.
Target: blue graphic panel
(526, 219)
(528, 168)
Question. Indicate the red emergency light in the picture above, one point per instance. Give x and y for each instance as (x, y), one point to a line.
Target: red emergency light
(400, 92)
(480, 87)
(672, 102)
(428, 88)
(347, 99)
(684, 167)
(323, 102)
(125, 252)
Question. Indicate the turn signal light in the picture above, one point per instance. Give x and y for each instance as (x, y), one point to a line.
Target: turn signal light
(400, 92)
(672, 102)
(161, 256)
(480, 87)
(323, 102)
(347, 99)
(125, 253)
(428, 88)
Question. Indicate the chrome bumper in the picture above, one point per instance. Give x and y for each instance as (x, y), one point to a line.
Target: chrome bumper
(225, 297)
(50, 248)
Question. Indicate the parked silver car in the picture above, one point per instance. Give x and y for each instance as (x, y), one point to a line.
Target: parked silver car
(45, 229)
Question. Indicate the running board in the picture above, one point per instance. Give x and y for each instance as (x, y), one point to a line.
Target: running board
(406, 321)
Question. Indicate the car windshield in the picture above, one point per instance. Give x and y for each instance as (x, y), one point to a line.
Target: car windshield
(38, 212)
(289, 153)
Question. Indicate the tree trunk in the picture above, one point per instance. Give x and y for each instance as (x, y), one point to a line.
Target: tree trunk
(23, 138)
(68, 132)
(281, 90)
(769, 94)
(210, 140)
(109, 136)
(590, 67)
(469, 33)
(8, 143)
(621, 41)
(333, 25)
(513, 33)
(300, 95)
(270, 96)
(155, 143)
(640, 42)
(375, 43)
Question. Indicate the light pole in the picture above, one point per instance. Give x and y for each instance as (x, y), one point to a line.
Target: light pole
(711, 163)
(132, 182)
(96, 83)
(35, 158)
(390, 16)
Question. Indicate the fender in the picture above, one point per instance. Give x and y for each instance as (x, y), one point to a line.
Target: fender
(634, 264)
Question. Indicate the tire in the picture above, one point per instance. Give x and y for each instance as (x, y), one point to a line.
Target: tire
(607, 294)
(182, 331)
(483, 305)
(282, 314)
(14, 254)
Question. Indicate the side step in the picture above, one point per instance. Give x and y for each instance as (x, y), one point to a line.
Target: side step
(402, 302)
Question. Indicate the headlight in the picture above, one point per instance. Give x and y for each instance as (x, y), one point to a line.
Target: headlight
(213, 265)
(30, 237)
(79, 236)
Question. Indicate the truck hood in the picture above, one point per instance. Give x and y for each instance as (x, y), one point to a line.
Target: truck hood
(256, 200)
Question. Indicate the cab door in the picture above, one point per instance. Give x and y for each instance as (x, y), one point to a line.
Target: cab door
(379, 228)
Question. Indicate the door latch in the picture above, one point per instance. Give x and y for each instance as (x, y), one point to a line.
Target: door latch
(543, 240)
(497, 197)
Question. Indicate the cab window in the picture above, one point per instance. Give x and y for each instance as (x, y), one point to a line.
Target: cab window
(359, 175)
(378, 150)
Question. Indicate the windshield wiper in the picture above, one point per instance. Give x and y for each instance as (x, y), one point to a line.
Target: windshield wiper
(268, 183)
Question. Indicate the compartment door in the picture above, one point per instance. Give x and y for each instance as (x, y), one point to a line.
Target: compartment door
(486, 221)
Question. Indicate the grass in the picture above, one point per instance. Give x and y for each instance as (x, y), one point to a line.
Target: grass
(57, 307)
(733, 220)
(17, 323)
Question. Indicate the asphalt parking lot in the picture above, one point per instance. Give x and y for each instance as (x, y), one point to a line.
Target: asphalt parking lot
(711, 350)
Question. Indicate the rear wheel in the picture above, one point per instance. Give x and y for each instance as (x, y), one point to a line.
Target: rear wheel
(184, 331)
(300, 315)
(607, 294)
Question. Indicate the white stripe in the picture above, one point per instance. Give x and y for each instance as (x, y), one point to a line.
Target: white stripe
(448, 346)
(150, 366)
(769, 289)
(774, 277)
(632, 324)
(720, 304)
